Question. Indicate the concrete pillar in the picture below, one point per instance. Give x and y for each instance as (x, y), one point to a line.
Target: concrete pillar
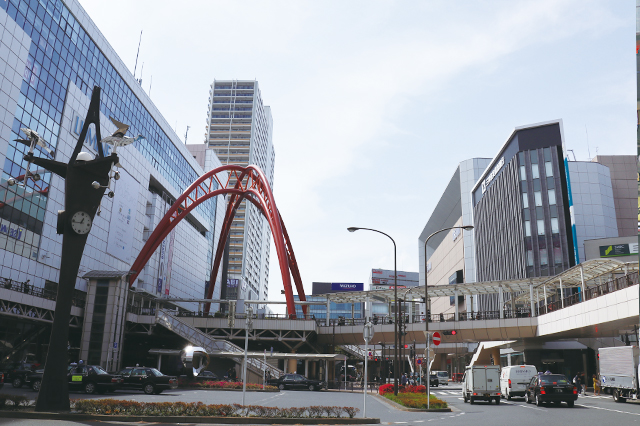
(582, 283)
(546, 306)
(328, 311)
(495, 354)
(509, 359)
(293, 365)
(561, 294)
(159, 362)
(306, 368)
(538, 301)
(313, 371)
(501, 302)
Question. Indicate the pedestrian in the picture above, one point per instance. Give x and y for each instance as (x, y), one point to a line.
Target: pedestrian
(583, 381)
(596, 385)
(576, 382)
(403, 379)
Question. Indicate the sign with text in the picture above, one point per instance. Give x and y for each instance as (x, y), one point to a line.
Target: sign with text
(616, 250)
(347, 286)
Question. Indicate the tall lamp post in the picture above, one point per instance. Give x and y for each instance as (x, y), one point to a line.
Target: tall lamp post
(426, 299)
(395, 295)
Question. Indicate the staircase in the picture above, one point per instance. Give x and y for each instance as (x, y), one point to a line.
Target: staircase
(354, 350)
(211, 345)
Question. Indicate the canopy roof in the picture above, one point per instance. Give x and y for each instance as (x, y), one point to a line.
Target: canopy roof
(591, 271)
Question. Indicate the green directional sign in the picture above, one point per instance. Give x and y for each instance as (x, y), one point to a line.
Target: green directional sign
(615, 250)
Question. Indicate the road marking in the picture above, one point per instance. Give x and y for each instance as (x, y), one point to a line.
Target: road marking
(608, 409)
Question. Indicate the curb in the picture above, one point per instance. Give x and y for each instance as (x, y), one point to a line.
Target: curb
(229, 390)
(403, 408)
(190, 419)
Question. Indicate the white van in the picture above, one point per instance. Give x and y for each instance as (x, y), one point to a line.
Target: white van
(443, 377)
(515, 378)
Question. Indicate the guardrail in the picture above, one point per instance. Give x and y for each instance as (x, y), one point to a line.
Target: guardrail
(27, 288)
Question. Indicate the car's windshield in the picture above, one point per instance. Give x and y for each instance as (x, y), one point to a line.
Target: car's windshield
(443, 374)
(553, 379)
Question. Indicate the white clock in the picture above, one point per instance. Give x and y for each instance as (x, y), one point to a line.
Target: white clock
(81, 223)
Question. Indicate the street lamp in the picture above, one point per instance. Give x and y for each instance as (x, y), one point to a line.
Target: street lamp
(426, 300)
(395, 295)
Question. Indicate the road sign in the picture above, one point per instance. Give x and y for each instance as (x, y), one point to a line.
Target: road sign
(367, 332)
(436, 338)
(419, 361)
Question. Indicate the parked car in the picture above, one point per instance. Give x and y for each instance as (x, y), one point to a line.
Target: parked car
(296, 381)
(146, 379)
(514, 380)
(16, 372)
(556, 388)
(457, 377)
(206, 375)
(433, 380)
(85, 378)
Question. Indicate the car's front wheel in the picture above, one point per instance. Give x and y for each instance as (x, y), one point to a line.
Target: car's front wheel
(281, 386)
(149, 388)
(90, 388)
(17, 382)
(312, 388)
(35, 385)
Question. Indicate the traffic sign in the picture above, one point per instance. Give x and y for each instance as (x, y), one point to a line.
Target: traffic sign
(419, 361)
(436, 338)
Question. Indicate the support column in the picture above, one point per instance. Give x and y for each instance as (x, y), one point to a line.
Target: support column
(533, 313)
(537, 302)
(293, 365)
(328, 311)
(455, 305)
(546, 305)
(501, 302)
(159, 362)
(314, 371)
(495, 353)
(561, 294)
(582, 284)
(306, 368)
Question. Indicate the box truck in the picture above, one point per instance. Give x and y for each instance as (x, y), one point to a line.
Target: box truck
(481, 383)
(619, 371)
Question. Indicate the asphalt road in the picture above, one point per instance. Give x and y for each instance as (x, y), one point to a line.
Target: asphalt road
(589, 410)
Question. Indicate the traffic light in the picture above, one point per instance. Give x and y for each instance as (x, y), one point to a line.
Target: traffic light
(449, 333)
(406, 346)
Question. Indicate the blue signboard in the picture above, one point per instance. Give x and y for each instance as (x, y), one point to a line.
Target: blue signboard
(347, 286)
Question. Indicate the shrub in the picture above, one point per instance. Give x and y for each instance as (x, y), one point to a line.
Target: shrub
(385, 389)
(416, 400)
(351, 411)
(315, 411)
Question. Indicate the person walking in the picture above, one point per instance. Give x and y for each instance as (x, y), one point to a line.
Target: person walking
(403, 379)
(583, 381)
(576, 382)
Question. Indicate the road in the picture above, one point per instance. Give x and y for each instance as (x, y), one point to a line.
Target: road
(589, 410)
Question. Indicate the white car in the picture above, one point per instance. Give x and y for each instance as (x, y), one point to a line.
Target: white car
(443, 377)
(514, 380)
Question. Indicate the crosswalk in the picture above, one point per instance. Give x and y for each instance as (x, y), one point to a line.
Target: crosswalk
(446, 393)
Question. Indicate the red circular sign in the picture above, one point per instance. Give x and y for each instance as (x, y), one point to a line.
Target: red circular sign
(436, 338)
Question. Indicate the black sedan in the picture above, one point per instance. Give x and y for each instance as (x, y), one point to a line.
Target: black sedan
(546, 388)
(16, 372)
(146, 379)
(85, 378)
(433, 380)
(296, 381)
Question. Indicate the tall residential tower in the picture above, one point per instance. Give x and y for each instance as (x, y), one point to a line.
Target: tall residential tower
(239, 131)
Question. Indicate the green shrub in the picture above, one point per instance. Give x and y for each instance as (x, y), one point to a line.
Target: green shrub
(416, 400)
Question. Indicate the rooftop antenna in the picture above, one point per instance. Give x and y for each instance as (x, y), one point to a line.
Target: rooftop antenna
(186, 134)
(588, 150)
(141, 69)
(574, 154)
(136, 66)
(150, 83)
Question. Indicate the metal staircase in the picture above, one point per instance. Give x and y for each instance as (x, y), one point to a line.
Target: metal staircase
(354, 350)
(211, 345)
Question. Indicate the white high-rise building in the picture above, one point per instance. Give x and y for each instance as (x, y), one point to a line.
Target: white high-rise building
(240, 130)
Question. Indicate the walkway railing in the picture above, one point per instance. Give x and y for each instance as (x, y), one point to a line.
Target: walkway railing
(27, 288)
(591, 293)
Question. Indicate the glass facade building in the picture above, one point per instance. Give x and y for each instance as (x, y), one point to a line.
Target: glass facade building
(53, 56)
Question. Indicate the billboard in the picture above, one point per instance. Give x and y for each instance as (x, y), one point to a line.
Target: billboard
(347, 286)
(616, 250)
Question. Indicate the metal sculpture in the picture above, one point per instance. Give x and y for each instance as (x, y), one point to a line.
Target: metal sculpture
(251, 185)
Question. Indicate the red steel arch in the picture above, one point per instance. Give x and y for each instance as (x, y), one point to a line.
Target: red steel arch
(252, 185)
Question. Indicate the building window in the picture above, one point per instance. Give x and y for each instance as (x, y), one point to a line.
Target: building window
(527, 228)
(525, 200)
(548, 169)
(540, 227)
(554, 225)
(535, 171)
(544, 261)
(523, 173)
(552, 196)
(529, 257)
(538, 198)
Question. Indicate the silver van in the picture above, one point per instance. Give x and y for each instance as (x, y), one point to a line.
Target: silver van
(443, 377)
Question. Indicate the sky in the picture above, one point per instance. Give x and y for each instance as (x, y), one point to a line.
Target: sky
(375, 103)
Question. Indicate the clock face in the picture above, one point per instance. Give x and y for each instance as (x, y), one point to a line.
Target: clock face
(81, 223)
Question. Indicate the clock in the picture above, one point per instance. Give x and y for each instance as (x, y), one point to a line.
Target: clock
(81, 223)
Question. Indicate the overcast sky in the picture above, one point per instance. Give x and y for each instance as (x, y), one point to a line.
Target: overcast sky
(375, 103)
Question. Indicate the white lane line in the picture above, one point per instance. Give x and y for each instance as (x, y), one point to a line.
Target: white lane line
(608, 409)
(400, 423)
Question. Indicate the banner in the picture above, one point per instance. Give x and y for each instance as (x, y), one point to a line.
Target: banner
(123, 212)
